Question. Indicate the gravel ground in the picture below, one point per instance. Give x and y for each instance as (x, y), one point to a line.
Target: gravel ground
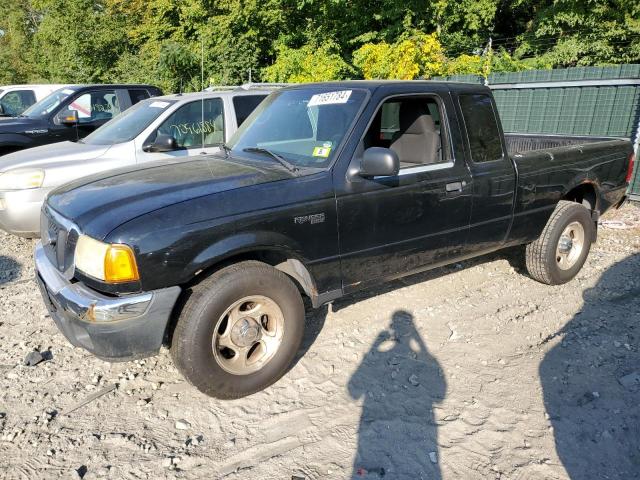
(472, 371)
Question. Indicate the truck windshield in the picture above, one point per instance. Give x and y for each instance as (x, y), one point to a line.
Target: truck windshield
(48, 104)
(304, 126)
(129, 124)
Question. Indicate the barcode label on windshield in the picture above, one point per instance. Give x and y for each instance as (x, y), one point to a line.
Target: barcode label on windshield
(330, 98)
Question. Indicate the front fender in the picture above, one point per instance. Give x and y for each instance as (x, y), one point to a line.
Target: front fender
(14, 140)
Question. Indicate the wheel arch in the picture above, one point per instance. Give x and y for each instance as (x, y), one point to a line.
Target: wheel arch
(585, 193)
(280, 255)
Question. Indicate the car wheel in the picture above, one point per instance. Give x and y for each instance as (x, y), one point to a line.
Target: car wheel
(239, 330)
(562, 248)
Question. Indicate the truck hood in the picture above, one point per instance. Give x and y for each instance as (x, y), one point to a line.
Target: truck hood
(19, 124)
(99, 203)
(48, 155)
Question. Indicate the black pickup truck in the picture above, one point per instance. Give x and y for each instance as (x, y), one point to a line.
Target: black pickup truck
(324, 190)
(70, 113)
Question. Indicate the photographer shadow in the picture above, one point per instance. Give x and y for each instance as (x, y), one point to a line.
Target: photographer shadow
(400, 382)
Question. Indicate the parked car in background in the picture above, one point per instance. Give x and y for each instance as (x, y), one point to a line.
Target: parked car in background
(325, 190)
(15, 99)
(173, 127)
(69, 113)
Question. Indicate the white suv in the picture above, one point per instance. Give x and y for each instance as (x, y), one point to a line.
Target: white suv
(15, 99)
(168, 128)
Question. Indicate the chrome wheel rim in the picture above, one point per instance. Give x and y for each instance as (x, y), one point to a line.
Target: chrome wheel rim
(248, 335)
(570, 245)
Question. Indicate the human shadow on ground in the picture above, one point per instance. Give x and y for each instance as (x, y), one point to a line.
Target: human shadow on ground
(9, 269)
(591, 380)
(400, 382)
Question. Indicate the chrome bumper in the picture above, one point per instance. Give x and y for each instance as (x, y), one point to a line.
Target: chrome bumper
(113, 328)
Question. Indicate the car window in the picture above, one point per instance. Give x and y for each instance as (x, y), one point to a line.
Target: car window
(412, 127)
(48, 104)
(129, 124)
(245, 104)
(482, 127)
(137, 95)
(17, 101)
(96, 106)
(195, 122)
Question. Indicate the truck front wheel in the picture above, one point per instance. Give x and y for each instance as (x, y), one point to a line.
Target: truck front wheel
(239, 330)
(560, 252)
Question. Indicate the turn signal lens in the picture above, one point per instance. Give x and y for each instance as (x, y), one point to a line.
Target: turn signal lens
(120, 264)
(111, 263)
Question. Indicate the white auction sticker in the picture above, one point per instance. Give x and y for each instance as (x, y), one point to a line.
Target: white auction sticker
(159, 104)
(330, 98)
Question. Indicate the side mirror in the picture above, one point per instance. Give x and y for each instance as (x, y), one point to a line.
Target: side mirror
(69, 118)
(379, 162)
(162, 143)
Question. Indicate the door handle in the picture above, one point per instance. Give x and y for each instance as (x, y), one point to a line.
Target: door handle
(455, 186)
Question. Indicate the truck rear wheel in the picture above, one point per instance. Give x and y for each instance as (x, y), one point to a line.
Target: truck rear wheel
(239, 330)
(560, 252)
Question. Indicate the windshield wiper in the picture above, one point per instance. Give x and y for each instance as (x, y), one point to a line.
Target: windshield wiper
(292, 168)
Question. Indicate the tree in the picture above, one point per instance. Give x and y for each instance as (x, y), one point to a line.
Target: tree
(414, 55)
(310, 63)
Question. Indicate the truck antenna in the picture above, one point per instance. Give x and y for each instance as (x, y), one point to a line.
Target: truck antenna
(202, 86)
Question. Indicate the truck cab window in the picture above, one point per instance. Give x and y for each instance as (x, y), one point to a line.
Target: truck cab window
(97, 106)
(137, 95)
(412, 128)
(482, 127)
(244, 105)
(16, 102)
(187, 127)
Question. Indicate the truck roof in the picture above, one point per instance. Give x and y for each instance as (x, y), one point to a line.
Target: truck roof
(374, 84)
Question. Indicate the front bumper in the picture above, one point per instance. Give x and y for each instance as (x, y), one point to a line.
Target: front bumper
(20, 211)
(112, 328)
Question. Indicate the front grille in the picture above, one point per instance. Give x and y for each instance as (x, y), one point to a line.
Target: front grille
(59, 238)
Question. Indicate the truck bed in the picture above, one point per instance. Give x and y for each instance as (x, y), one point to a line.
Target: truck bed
(528, 142)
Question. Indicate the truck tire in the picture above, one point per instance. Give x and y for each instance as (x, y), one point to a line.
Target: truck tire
(239, 330)
(562, 248)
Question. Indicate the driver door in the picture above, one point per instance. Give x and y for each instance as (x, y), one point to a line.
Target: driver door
(192, 136)
(419, 218)
(94, 108)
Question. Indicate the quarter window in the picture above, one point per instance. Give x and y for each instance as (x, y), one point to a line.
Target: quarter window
(186, 124)
(482, 127)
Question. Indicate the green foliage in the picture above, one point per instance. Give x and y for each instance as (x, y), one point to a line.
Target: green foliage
(412, 56)
(309, 63)
(163, 41)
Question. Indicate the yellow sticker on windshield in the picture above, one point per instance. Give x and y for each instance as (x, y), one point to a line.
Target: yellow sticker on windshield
(321, 152)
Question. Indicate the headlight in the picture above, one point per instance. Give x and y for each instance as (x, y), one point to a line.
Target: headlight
(111, 263)
(21, 179)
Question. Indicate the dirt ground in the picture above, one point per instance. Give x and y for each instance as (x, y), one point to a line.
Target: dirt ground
(472, 371)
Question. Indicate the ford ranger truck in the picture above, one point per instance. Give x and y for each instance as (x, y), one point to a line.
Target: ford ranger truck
(324, 190)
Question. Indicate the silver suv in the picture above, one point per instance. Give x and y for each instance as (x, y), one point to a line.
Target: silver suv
(172, 127)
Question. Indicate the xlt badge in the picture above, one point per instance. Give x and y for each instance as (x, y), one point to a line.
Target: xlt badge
(312, 219)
